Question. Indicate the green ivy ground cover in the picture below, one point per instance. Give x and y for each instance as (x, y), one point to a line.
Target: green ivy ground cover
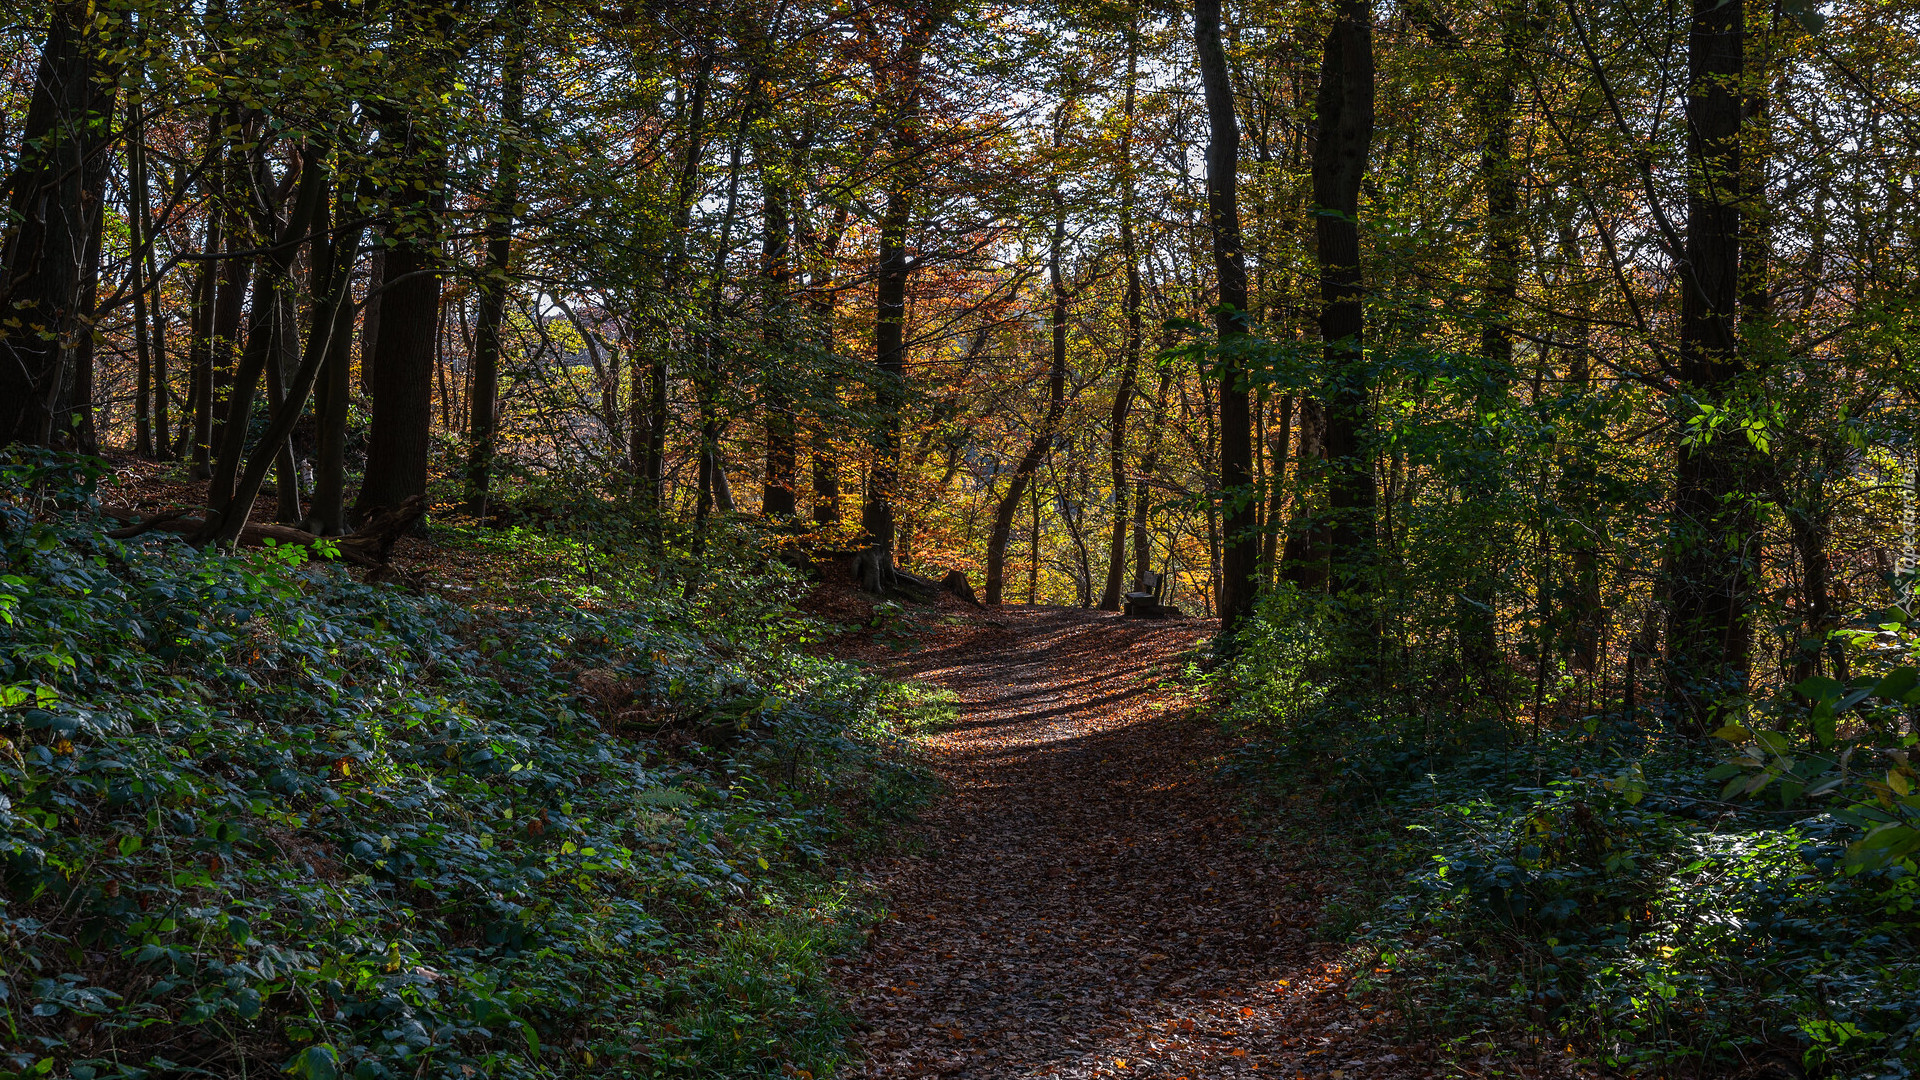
(256, 817)
(1637, 896)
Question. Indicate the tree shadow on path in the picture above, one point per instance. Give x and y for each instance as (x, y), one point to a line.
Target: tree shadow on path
(1090, 905)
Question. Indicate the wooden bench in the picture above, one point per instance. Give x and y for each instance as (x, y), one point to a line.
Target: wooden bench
(1144, 601)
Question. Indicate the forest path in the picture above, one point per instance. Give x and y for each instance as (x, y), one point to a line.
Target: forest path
(1088, 904)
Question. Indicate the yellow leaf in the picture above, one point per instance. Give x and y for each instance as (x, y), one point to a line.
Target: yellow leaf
(762, 862)
(1897, 780)
(1733, 733)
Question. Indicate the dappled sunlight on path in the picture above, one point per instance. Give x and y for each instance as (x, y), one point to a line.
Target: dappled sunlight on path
(1088, 904)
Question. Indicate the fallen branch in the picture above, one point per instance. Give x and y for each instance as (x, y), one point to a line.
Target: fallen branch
(369, 546)
(139, 527)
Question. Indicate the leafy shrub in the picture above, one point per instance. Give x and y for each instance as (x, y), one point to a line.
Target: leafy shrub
(255, 815)
(1611, 884)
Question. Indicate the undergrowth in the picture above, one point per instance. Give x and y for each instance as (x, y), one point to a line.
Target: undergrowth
(1608, 887)
(258, 817)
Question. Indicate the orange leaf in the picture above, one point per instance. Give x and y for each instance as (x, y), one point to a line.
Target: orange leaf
(1246, 1010)
(1236, 1053)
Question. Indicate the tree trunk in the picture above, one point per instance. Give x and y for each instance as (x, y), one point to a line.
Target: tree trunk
(1279, 447)
(1130, 362)
(137, 240)
(1240, 553)
(1345, 136)
(1480, 604)
(401, 431)
(1033, 556)
(876, 516)
(1056, 384)
(1711, 573)
(901, 94)
(162, 375)
(331, 320)
(80, 404)
(199, 425)
(777, 500)
(821, 308)
(332, 331)
(54, 203)
(229, 307)
(1303, 556)
(483, 399)
(263, 340)
(653, 415)
(1149, 465)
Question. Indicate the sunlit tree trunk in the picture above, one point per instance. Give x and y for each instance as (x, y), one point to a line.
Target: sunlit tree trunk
(1149, 467)
(1130, 361)
(1056, 387)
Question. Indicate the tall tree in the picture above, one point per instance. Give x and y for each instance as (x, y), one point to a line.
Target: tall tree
(1123, 394)
(414, 144)
(265, 332)
(902, 77)
(1710, 578)
(1043, 435)
(54, 203)
(333, 318)
(651, 410)
(777, 500)
(1240, 553)
(1344, 137)
(484, 398)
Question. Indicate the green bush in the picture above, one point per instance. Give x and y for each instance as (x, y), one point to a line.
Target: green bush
(257, 816)
(1634, 892)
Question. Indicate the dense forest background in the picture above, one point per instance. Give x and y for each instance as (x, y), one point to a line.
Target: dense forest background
(1577, 332)
(1529, 297)
(1494, 370)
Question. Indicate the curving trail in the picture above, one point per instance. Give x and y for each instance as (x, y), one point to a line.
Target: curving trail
(1088, 904)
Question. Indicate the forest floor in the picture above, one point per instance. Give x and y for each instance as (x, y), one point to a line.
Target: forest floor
(1086, 898)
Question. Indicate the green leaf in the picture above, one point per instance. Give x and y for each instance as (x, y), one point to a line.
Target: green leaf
(1806, 13)
(1882, 846)
(1823, 725)
(1853, 698)
(1820, 688)
(1896, 684)
(318, 1062)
